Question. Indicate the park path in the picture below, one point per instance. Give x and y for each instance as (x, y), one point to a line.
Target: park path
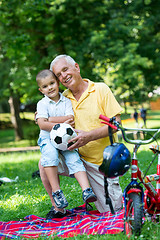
(19, 149)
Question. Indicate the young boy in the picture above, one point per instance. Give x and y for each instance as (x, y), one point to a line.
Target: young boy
(59, 109)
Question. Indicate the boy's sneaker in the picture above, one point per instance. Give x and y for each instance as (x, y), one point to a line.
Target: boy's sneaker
(88, 195)
(59, 199)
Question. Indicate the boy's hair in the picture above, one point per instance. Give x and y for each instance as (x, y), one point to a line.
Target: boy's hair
(43, 74)
(67, 57)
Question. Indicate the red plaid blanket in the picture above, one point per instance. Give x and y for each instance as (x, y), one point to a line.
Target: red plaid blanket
(77, 222)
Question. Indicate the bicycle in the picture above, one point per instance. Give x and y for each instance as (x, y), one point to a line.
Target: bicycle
(137, 203)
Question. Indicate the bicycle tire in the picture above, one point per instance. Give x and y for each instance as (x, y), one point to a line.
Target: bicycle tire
(134, 214)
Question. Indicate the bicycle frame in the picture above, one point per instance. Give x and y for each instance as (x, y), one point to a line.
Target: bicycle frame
(151, 193)
(133, 186)
(135, 199)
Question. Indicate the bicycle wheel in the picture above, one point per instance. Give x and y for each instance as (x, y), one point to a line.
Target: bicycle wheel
(134, 214)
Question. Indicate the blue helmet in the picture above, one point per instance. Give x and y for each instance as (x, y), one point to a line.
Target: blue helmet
(116, 160)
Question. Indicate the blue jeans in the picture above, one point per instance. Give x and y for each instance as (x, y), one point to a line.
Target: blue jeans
(50, 156)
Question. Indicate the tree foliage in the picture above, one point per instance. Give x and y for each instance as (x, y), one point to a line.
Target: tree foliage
(113, 41)
(117, 40)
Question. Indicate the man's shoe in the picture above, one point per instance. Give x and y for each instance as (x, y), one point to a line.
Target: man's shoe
(59, 199)
(88, 195)
(55, 214)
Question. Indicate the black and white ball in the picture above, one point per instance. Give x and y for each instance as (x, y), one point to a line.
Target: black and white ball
(60, 134)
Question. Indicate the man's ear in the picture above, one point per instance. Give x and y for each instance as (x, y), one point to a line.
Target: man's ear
(77, 67)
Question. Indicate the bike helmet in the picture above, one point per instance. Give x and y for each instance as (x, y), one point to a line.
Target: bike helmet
(116, 160)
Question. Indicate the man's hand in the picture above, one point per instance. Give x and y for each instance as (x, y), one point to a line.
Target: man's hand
(85, 137)
(80, 140)
(35, 118)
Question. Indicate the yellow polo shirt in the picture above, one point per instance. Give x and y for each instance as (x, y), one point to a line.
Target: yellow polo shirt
(97, 99)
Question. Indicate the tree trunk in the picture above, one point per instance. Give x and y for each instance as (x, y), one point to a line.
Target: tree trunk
(15, 118)
(125, 106)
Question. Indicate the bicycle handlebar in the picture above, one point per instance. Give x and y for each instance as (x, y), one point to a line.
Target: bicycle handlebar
(116, 125)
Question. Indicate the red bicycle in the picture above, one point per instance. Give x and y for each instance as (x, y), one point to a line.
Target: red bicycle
(137, 203)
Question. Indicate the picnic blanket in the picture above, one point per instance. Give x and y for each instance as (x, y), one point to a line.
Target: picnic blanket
(78, 221)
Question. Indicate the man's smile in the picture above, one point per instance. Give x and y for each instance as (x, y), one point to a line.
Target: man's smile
(68, 80)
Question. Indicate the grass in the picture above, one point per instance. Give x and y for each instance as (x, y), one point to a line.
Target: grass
(31, 130)
(153, 120)
(27, 196)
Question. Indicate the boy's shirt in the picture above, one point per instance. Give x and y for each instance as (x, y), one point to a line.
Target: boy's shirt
(48, 108)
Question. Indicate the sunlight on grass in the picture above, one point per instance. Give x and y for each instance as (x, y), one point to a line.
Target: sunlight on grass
(7, 158)
(27, 115)
(27, 196)
(11, 143)
(15, 200)
(7, 136)
(5, 117)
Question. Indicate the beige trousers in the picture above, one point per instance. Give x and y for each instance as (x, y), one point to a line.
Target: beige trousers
(96, 180)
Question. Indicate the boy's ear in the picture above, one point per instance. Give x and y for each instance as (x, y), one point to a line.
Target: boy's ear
(40, 90)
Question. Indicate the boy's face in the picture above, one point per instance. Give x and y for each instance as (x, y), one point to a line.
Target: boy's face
(49, 86)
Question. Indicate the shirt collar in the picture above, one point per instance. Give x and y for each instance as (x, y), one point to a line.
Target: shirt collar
(91, 88)
(47, 99)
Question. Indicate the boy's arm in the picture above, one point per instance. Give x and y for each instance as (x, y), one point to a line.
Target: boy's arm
(63, 119)
(44, 124)
(47, 124)
(60, 119)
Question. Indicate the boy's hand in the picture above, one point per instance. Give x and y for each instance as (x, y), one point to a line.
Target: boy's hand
(71, 122)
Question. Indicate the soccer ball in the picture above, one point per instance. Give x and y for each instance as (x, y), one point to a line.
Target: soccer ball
(60, 134)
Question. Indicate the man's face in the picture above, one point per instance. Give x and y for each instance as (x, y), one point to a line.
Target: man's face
(67, 73)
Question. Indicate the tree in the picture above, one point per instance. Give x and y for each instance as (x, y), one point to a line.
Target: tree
(130, 41)
(116, 41)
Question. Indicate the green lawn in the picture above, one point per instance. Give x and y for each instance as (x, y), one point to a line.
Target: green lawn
(7, 135)
(31, 130)
(153, 120)
(27, 195)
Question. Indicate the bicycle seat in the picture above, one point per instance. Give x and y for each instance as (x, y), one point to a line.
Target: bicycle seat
(155, 148)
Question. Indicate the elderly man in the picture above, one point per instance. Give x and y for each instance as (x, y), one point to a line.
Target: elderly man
(89, 100)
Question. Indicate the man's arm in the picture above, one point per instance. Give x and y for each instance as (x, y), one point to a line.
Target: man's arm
(84, 137)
